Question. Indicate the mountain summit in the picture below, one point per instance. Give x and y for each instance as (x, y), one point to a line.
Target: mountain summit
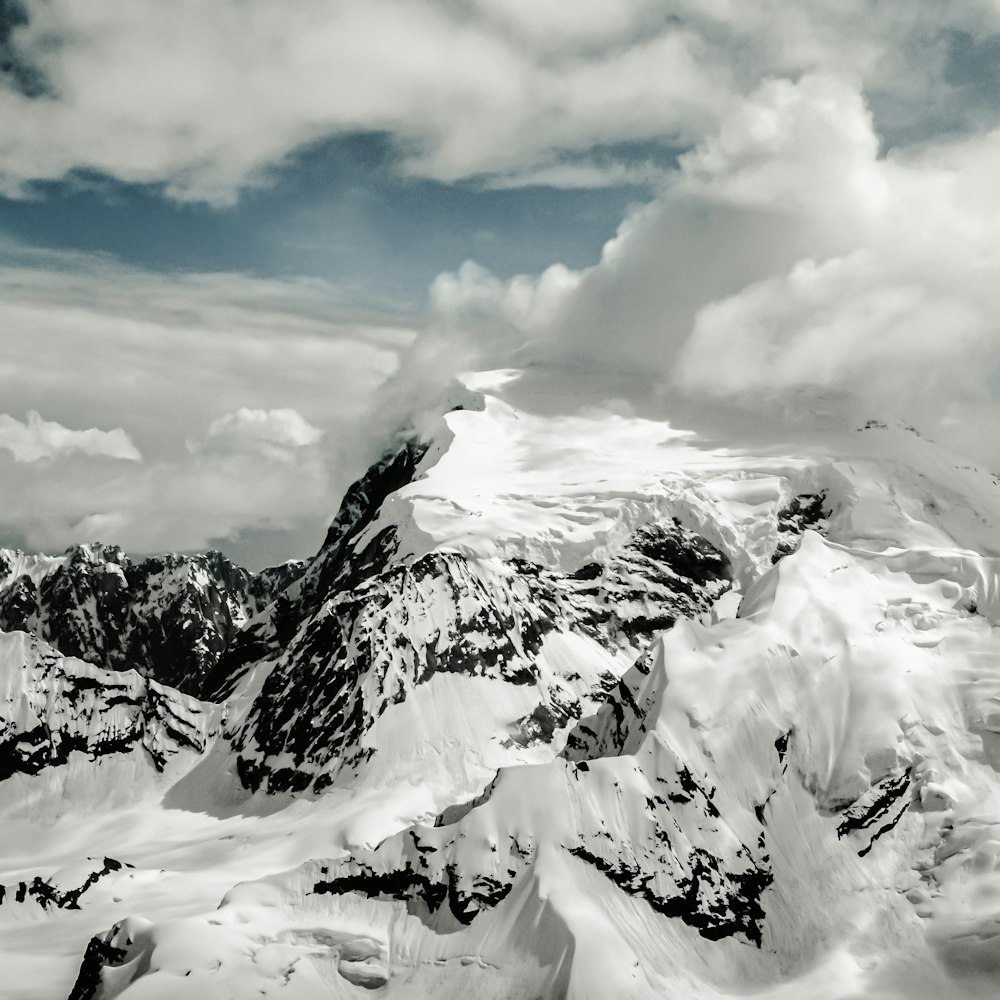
(568, 705)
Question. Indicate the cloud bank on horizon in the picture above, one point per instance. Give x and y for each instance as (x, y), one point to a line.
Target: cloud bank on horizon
(831, 228)
(790, 264)
(157, 368)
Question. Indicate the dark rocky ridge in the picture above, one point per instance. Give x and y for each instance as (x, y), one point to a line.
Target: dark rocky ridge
(807, 510)
(47, 894)
(445, 612)
(170, 617)
(337, 566)
(715, 885)
(103, 950)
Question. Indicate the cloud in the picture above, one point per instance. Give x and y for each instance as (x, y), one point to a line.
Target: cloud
(40, 439)
(213, 99)
(187, 503)
(790, 259)
(91, 342)
(893, 298)
(583, 173)
(795, 251)
(274, 433)
(844, 323)
(242, 394)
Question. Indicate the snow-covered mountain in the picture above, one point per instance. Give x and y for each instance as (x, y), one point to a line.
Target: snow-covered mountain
(170, 617)
(569, 704)
(55, 707)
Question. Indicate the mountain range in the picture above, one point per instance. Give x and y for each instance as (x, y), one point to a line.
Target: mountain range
(570, 704)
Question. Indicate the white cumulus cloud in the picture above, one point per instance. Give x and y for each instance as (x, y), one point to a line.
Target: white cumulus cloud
(38, 439)
(790, 258)
(276, 433)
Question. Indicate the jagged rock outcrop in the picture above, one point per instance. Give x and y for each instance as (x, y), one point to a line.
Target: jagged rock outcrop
(62, 891)
(339, 565)
(368, 647)
(105, 951)
(170, 617)
(806, 511)
(52, 706)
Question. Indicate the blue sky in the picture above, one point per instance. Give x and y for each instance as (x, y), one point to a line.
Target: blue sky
(340, 211)
(235, 239)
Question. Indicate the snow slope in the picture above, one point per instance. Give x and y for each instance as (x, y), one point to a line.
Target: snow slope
(53, 708)
(569, 705)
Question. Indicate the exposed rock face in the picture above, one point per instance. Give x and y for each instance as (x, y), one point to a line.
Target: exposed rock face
(52, 706)
(808, 510)
(400, 623)
(338, 566)
(713, 882)
(169, 617)
(107, 950)
(624, 801)
(62, 891)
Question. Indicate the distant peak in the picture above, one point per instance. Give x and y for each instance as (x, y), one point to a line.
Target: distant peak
(96, 552)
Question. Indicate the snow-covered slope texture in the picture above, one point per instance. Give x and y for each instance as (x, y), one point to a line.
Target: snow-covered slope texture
(170, 617)
(387, 615)
(799, 802)
(445, 613)
(53, 707)
(63, 889)
(580, 705)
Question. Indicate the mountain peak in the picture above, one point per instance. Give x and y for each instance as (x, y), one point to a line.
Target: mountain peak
(570, 703)
(169, 616)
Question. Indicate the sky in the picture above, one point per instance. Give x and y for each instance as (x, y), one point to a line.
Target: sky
(241, 241)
